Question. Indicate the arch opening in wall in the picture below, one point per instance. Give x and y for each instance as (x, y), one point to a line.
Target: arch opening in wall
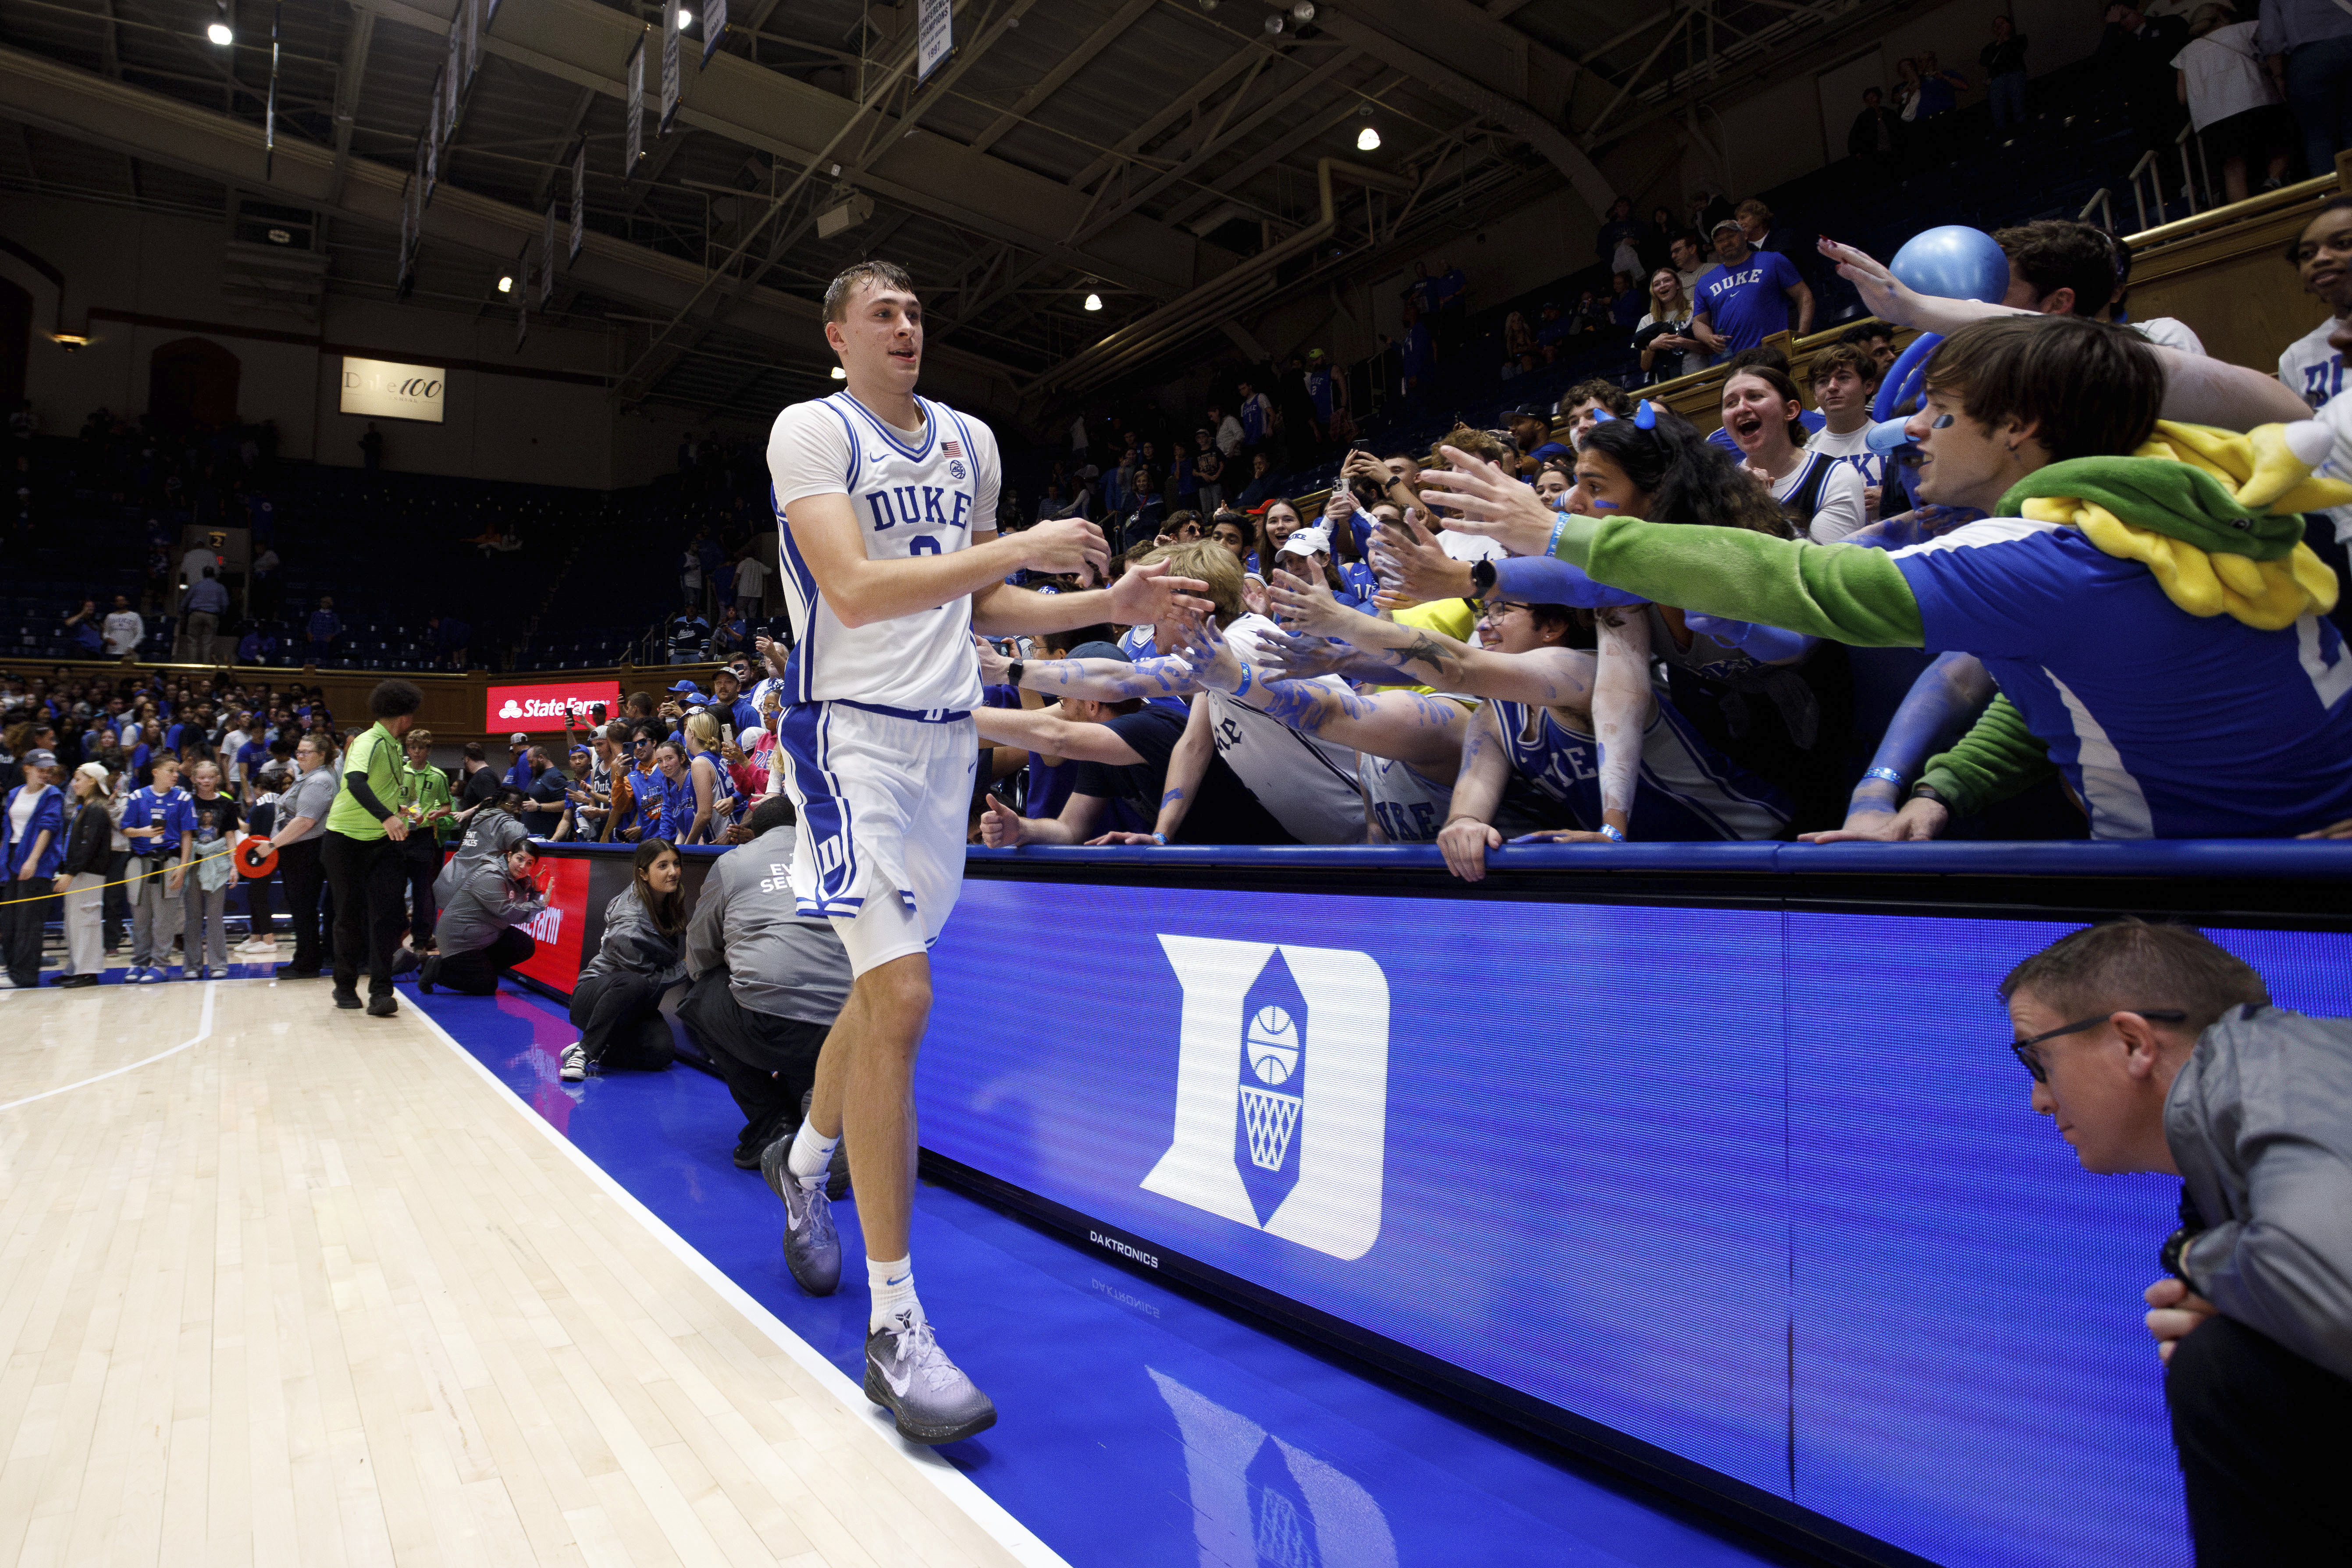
(191, 385)
(15, 342)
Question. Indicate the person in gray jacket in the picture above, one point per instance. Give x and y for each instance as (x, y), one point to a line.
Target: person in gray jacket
(490, 834)
(617, 1004)
(767, 986)
(2153, 1049)
(480, 931)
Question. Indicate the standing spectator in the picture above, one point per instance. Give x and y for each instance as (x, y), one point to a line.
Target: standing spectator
(322, 630)
(207, 603)
(2138, 51)
(1669, 348)
(1690, 263)
(298, 833)
(267, 585)
(2234, 105)
(1321, 388)
(82, 629)
(1257, 418)
(1939, 91)
(2004, 63)
(546, 792)
(449, 639)
(1618, 244)
(268, 784)
(1741, 305)
(161, 828)
(1876, 135)
(1228, 431)
(428, 788)
(751, 575)
(2307, 45)
(480, 783)
(1263, 486)
(1209, 468)
(617, 1004)
(124, 629)
(1627, 304)
(689, 579)
(477, 934)
(89, 835)
(1845, 379)
(520, 774)
(31, 843)
(687, 636)
(731, 637)
(365, 829)
(1755, 221)
(204, 893)
(371, 449)
(768, 983)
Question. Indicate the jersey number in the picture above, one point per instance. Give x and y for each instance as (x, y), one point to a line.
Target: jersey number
(923, 544)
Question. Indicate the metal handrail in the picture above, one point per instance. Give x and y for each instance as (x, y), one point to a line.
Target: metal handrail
(2103, 202)
(2146, 166)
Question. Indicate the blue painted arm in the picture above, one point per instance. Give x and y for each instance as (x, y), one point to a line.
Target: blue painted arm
(1771, 644)
(1541, 580)
(1943, 703)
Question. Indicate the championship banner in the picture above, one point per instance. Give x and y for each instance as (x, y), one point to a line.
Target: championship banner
(579, 203)
(633, 135)
(546, 259)
(935, 37)
(522, 297)
(453, 80)
(714, 28)
(473, 17)
(432, 144)
(668, 66)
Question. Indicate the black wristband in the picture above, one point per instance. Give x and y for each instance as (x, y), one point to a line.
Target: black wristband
(1018, 668)
(1928, 792)
(1482, 576)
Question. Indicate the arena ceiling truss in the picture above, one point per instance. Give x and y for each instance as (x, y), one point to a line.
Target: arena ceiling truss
(1183, 161)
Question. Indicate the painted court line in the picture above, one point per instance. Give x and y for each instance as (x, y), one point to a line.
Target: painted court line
(954, 1484)
(204, 1032)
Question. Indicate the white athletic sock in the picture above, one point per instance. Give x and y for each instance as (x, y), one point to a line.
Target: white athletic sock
(811, 1153)
(893, 1288)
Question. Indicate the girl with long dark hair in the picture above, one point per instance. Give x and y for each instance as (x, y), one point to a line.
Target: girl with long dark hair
(616, 1004)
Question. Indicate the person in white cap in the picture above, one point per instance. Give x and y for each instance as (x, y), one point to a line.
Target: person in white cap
(89, 845)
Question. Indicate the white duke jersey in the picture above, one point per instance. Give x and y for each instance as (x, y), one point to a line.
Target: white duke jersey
(924, 495)
(1307, 785)
(1406, 805)
(2311, 368)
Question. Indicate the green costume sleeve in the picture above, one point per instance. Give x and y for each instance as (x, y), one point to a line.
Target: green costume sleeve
(1999, 757)
(1846, 592)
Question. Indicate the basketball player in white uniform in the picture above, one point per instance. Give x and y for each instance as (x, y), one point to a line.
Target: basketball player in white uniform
(886, 507)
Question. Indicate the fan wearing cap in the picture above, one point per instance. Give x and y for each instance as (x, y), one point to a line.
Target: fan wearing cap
(519, 773)
(90, 847)
(31, 843)
(1741, 305)
(1307, 553)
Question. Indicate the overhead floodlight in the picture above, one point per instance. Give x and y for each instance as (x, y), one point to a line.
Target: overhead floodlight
(685, 17)
(1303, 12)
(1368, 140)
(1094, 301)
(1272, 23)
(839, 373)
(221, 32)
(506, 285)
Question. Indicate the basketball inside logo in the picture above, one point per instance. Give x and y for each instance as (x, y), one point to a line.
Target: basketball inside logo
(1272, 1046)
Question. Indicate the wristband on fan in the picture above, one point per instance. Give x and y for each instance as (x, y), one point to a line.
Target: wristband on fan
(1559, 528)
(1161, 839)
(1611, 832)
(1887, 774)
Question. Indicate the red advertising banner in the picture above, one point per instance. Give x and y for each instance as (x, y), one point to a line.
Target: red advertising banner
(542, 704)
(558, 930)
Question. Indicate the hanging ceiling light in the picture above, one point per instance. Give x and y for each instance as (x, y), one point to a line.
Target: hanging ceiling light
(221, 32)
(1303, 12)
(1272, 23)
(685, 19)
(1094, 301)
(1368, 140)
(506, 285)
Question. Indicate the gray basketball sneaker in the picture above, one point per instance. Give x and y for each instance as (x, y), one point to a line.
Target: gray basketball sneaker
(812, 1247)
(907, 1374)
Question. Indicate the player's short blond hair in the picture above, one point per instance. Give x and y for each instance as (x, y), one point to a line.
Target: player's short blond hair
(862, 275)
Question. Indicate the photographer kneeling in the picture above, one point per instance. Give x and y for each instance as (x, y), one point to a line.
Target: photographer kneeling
(617, 1003)
(2154, 1050)
(768, 984)
(476, 935)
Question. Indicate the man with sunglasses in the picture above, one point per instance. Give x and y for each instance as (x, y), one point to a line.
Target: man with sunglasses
(2153, 1049)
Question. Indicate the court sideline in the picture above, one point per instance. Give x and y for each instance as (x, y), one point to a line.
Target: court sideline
(308, 1287)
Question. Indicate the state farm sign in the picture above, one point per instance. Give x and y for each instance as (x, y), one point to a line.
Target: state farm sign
(542, 706)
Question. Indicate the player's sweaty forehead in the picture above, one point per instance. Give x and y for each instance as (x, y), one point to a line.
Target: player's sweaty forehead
(872, 298)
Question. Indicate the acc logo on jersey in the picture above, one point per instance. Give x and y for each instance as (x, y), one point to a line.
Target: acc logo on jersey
(1281, 1091)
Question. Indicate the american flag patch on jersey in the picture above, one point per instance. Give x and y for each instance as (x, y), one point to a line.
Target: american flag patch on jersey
(951, 449)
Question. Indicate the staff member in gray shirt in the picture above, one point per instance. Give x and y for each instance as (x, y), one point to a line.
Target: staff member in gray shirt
(2153, 1049)
(299, 835)
(767, 986)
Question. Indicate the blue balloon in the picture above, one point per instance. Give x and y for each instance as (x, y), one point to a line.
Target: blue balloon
(1954, 262)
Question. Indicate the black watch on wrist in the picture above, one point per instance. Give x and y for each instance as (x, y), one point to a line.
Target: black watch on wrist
(2175, 1248)
(1929, 791)
(1019, 668)
(1481, 576)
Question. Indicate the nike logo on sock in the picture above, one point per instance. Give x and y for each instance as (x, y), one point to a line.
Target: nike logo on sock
(901, 1279)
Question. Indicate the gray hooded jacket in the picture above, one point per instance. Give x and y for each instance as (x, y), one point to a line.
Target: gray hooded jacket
(489, 836)
(487, 901)
(2260, 1122)
(633, 944)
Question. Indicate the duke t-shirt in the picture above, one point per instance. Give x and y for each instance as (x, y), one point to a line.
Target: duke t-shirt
(1748, 303)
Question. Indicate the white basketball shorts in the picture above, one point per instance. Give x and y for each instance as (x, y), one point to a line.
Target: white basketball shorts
(885, 801)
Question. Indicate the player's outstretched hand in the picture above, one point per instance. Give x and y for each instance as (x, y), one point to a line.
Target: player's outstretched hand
(1001, 828)
(1464, 842)
(1480, 498)
(1066, 545)
(1306, 606)
(1146, 594)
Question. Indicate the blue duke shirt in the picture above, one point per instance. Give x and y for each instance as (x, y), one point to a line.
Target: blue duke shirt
(2104, 668)
(1748, 303)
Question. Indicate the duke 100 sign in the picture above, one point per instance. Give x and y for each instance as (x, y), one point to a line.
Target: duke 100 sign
(380, 389)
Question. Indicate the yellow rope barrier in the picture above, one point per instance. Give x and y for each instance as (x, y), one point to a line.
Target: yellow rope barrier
(226, 848)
